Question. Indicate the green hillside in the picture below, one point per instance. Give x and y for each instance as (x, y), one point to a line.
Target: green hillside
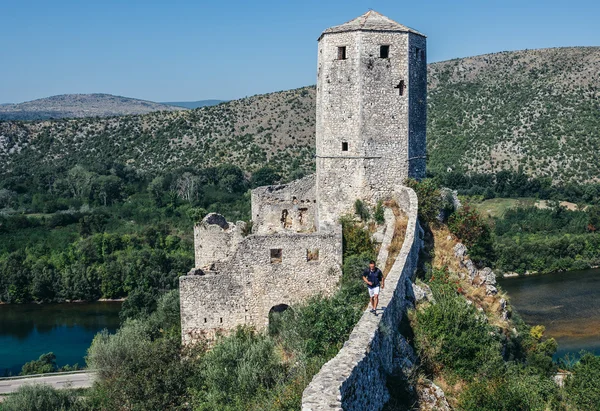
(535, 110)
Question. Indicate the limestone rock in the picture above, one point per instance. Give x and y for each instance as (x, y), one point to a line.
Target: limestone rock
(431, 397)
(487, 276)
(471, 269)
(491, 290)
(422, 293)
(460, 251)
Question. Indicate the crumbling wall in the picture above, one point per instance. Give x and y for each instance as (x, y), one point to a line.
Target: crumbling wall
(263, 271)
(215, 239)
(285, 207)
(355, 379)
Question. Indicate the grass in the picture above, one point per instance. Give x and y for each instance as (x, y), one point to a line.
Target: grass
(496, 207)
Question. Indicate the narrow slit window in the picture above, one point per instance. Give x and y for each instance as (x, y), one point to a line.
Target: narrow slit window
(384, 52)
(221, 320)
(417, 53)
(401, 86)
(342, 53)
(276, 255)
(344, 146)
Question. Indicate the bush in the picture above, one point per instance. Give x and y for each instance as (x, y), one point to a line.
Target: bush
(470, 228)
(450, 334)
(237, 369)
(362, 210)
(518, 390)
(583, 387)
(379, 214)
(430, 199)
(45, 364)
(356, 239)
(143, 365)
(40, 397)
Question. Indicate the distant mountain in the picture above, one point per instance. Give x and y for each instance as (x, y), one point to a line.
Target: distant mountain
(80, 105)
(535, 110)
(194, 104)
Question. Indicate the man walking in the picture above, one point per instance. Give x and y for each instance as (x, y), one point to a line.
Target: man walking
(373, 277)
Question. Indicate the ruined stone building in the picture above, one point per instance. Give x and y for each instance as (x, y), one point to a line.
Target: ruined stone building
(370, 136)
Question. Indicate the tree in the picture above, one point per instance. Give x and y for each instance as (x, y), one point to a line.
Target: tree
(265, 176)
(44, 364)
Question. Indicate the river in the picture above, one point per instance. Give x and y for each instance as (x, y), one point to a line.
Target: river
(567, 303)
(29, 330)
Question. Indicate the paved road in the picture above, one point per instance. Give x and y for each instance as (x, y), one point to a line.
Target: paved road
(79, 380)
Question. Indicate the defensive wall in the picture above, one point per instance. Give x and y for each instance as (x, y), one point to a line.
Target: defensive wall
(355, 379)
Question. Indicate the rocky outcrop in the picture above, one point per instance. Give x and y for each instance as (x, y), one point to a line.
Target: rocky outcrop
(431, 397)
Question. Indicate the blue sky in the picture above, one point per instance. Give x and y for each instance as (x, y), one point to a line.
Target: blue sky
(225, 49)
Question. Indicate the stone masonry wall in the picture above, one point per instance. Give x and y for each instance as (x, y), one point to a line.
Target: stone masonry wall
(377, 107)
(243, 289)
(355, 379)
(285, 207)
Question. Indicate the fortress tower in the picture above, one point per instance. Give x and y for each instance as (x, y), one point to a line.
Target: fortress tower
(371, 112)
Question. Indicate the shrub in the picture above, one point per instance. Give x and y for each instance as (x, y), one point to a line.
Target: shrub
(362, 210)
(430, 199)
(45, 364)
(583, 387)
(379, 214)
(237, 369)
(468, 225)
(450, 334)
(517, 390)
(39, 397)
(356, 239)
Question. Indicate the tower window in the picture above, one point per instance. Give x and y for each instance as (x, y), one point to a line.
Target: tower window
(312, 254)
(417, 53)
(401, 86)
(344, 146)
(384, 52)
(342, 53)
(276, 255)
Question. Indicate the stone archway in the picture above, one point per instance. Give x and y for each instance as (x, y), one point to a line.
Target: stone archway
(275, 318)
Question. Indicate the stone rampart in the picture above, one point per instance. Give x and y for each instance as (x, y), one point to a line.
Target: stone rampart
(355, 379)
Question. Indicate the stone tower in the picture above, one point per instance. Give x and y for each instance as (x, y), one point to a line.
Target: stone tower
(371, 112)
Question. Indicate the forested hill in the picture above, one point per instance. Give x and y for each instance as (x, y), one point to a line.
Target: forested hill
(79, 105)
(535, 110)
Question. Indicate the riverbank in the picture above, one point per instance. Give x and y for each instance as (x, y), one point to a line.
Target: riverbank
(512, 274)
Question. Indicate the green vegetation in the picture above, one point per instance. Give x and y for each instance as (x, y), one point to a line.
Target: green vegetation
(108, 233)
(495, 369)
(535, 110)
(42, 398)
(45, 364)
(583, 386)
(144, 366)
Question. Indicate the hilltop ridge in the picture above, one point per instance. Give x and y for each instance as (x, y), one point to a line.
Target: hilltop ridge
(78, 106)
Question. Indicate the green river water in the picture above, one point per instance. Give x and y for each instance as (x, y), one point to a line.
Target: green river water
(29, 330)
